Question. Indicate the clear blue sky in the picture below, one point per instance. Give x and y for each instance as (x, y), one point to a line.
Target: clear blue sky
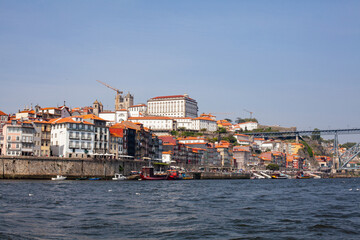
(293, 63)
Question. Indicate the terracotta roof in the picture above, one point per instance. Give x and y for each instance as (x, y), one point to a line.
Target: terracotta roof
(69, 120)
(172, 96)
(116, 132)
(241, 135)
(204, 118)
(49, 108)
(91, 116)
(150, 118)
(2, 113)
(139, 105)
(191, 138)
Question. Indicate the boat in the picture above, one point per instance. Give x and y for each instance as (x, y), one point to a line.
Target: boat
(82, 178)
(278, 176)
(95, 178)
(58, 178)
(304, 176)
(174, 175)
(118, 177)
(147, 173)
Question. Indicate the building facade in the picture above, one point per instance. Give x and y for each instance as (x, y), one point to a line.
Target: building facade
(18, 138)
(173, 106)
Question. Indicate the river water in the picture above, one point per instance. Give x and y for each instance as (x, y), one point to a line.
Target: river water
(189, 209)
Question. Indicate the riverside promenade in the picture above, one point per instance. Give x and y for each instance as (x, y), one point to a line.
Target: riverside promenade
(72, 168)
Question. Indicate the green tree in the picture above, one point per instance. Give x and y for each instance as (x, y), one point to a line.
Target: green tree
(239, 120)
(228, 119)
(316, 135)
(273, 167)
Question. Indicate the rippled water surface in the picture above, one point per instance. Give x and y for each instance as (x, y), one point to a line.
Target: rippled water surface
(199, 209)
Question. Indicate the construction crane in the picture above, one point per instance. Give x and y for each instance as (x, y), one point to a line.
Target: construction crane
(117, 90)
(249, 112)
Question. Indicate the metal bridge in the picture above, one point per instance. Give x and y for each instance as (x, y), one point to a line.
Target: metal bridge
(304, 133)
(339, 162)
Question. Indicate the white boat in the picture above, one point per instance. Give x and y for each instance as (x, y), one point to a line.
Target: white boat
(118, 176)
(58, 178)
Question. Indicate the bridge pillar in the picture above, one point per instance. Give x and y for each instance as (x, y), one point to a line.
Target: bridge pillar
(335, 163)
(297, 138)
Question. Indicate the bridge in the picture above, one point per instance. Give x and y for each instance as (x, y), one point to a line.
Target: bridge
(303, 133)
(339, 162)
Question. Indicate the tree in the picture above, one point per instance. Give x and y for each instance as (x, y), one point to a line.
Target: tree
(348, 145)
(273, 167)
(228, 119)
(239, 120)
(316, 134)
(203, 129)
(222, 130)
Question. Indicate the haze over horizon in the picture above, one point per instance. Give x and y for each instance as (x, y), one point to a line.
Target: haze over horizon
(291, 63)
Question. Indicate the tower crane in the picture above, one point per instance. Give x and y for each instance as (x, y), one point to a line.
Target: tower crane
(117, 90)
(249, 112)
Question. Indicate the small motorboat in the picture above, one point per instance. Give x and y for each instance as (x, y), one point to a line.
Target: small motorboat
(278, 176)
(95, 178)
(58, 178)
(119, 177)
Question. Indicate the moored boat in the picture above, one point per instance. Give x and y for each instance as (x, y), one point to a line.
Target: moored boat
(278, 176)
(119, 177)
(58, 178)
(147, 173)
(174, 175)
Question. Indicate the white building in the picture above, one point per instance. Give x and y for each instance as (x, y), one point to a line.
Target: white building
(173, 106)
(246, 126)
(18, 138)
(137, 110)
(72, 137)
(185, 122)
(155, 123)
(206, 123)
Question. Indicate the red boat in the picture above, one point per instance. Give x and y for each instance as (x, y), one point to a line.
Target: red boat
(174, 175)
(147, 173)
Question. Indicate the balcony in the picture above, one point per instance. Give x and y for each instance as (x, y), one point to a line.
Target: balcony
(74, 136)
(86, 137)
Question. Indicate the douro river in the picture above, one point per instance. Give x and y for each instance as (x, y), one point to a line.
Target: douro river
(189, 209)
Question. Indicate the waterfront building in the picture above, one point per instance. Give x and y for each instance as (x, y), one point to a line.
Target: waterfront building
(241, 157)
(173, 106)
(72, 137)
(18, 138)
(167, 157)
(3, 119)
(102, 134)
(225, 150)
(42, 138)
(117, 141)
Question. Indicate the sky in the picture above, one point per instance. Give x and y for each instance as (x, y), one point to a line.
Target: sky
(292, 63)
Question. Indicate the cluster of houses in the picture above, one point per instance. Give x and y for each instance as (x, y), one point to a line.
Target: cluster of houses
(141, 132)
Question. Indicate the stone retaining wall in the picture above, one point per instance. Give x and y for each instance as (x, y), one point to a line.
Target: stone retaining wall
(45, 168)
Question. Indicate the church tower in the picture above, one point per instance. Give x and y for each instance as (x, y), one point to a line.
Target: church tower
(123, 102)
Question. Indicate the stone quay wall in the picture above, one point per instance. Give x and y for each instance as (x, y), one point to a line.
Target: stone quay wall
(47, 167)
